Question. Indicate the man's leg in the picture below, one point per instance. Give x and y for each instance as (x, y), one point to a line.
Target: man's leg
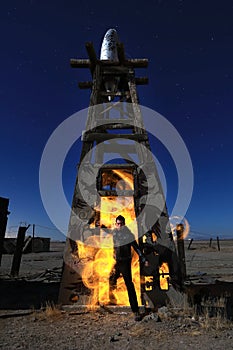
(125, 269)
(115, 274)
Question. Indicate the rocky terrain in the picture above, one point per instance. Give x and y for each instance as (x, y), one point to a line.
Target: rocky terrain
(172, 327)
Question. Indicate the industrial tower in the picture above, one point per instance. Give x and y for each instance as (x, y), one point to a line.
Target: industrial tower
(115, 130)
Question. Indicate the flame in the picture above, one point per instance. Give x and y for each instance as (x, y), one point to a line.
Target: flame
(96, 254)
(163, 276)
(97, 265)
(176, 221)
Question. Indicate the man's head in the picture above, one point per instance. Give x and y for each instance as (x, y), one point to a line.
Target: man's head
(120, 221)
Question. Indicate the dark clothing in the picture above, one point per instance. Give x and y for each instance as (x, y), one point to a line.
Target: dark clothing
(123, 239)
(124, 267)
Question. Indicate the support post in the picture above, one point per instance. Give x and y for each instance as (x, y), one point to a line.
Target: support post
(218, 243)
(18, 251)
(190, 243)
(210, 243)
(180, 248)
(33, 236)
(4, 202)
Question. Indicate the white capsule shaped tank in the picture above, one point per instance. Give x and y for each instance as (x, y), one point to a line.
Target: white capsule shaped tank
(109, 46)
(108, 52)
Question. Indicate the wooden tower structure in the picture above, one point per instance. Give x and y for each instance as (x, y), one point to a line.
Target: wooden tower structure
(115, 129)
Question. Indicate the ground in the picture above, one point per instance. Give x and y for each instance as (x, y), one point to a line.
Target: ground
(107, 328)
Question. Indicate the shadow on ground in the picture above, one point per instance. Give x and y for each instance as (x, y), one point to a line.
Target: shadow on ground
(15, 295)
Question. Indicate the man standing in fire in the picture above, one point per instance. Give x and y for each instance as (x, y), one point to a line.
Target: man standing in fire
(123, 239)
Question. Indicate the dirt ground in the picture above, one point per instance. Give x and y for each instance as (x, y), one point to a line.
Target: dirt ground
(108, 328)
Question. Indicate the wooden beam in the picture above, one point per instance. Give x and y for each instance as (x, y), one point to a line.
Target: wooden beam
(118, 193)
(115, 125)
(125, 166)
(18, 250)
(137, 62)
(141, 81)
(80, 63)
(105, 136)
(91, 53)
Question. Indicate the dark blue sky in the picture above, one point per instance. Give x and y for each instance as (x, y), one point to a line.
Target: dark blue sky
(189, 45)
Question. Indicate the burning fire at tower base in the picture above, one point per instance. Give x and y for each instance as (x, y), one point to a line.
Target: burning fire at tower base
(117, 175)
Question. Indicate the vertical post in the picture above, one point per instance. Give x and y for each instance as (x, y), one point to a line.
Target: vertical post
(33, 236)
(18, 251)
(210, 242)
(190, 243)
(180, 247)
(4, 202)
(218, 243)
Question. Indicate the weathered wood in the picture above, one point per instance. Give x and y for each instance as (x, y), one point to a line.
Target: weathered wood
(180, 248)
(190, 243)
(137, 62)
(116, 125)
(18, 252)
(91, 53)
(80, 63)
(141, 80)
(113, 193)
(4, 202)
(112, 94)
(86, 63)
(121, 121)
(117, 166)
(105, 136)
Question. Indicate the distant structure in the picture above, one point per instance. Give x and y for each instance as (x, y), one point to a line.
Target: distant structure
(115, 127)
(4, 203)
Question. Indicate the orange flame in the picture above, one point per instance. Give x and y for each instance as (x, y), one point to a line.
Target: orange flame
(164, 277)
(96, 254)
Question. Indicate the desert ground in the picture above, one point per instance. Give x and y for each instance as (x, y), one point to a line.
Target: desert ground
(25, 324)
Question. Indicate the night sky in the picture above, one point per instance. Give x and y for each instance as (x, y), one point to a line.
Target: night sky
(189, 45)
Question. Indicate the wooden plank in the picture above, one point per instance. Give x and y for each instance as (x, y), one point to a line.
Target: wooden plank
(18, 252)
(137, 62)
(80, 63)
(117, 166)
(105, 136)
(118, 193)
(115, 125)
(91, 53)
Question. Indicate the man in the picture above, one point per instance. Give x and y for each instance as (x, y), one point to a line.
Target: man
(123, 239)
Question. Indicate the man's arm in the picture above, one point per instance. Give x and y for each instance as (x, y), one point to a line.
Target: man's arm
(138, 251)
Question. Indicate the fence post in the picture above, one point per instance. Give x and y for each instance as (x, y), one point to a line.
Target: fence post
(189, 246)
(4, 202)
(18, 251)
(180, 247)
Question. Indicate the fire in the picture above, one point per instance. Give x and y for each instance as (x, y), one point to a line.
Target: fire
(97, 264)
(164, 276)
(96, 253)
(177, 222)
